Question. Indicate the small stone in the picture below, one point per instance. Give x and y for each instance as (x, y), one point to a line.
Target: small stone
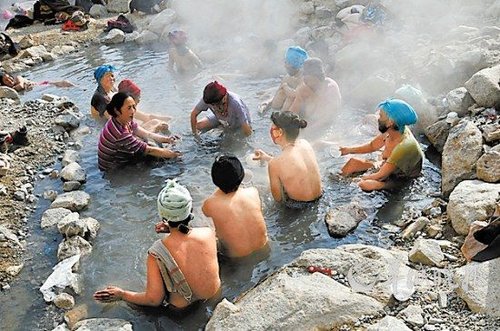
(20, 195)
(50, 195)
(71, 186)
(70, 156)
(64, 301)
(14, 270)
(47, 171)
(76, 314)
(429, 327)
(54, 174)
(426, 251)
(415, 227)
(434, 230)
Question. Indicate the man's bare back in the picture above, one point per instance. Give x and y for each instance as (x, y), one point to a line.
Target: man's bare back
(238, 220)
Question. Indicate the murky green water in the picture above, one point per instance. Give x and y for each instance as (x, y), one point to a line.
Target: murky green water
(125, 203)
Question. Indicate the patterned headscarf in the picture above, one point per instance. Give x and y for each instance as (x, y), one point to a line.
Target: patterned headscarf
(400, 112)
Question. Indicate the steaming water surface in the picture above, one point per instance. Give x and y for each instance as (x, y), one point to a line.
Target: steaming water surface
(125, 203)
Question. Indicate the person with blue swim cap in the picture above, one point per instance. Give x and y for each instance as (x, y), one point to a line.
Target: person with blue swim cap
(401, 155)
(105, 78)
(295, 57)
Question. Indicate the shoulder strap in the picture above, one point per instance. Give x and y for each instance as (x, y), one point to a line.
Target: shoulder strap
(173, 278)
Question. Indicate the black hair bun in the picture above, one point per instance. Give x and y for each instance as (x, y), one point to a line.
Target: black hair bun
(302, 124)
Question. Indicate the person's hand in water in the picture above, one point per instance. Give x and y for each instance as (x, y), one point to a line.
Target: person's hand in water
(266, 105)
(171, 139)
(260, 155)
(162, 227)
(169, 154)
(344, 150)
(109, 294)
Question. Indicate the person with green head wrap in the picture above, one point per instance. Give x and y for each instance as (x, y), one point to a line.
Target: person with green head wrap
(401, 155)
(295, 56)
(182, 268)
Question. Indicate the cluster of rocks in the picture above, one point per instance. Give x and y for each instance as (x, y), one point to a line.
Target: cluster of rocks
(33, 53)
(49, 134)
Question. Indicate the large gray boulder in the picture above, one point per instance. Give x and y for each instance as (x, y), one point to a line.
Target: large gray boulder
(73, 172)
(74, 201)
(53, 216)
(459, 101)
(483, 86)
(389, 323)
(471, 200)
(461, 151)
(478, 285)
(161, 22)
(437, 134)
(115, 36)
(103, 324)
(370, 270)
(71, 225)
(146, 37)
(488, 166)
(343, 219)
(118, 6)
(292, 299)
(9, 93)
(98, 11)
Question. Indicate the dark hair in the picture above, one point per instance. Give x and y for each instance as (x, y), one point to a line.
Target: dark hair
(289, 122)
(116, 103)
(314, 67)
(227, 173)
(182, 225)
(213, 93)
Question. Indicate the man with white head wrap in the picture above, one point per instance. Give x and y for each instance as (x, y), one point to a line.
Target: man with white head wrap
(182, 267)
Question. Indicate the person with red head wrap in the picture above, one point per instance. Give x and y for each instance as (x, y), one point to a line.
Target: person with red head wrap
(226, 110)
(150, 122)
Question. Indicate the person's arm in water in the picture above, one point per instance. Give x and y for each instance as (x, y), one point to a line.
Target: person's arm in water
(194, 116)
(154, 295)
(385, 171)
(145, 134)
(246, 129)
(300, 96)
(145, 117)
(195, 59)
(22, 84)
(171, 59)
(372, 146)
(274, 180)
(159, 152)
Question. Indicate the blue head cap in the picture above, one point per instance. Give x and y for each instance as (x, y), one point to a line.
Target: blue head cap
(100, 71)
(400, 112)
(295, 56)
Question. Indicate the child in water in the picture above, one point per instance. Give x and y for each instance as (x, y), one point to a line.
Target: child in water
(184, 59)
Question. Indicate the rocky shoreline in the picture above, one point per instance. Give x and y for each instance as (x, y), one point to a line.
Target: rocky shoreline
(423, 282)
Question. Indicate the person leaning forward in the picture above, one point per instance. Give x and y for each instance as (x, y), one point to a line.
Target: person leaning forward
(182, 267)
(227, 110)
